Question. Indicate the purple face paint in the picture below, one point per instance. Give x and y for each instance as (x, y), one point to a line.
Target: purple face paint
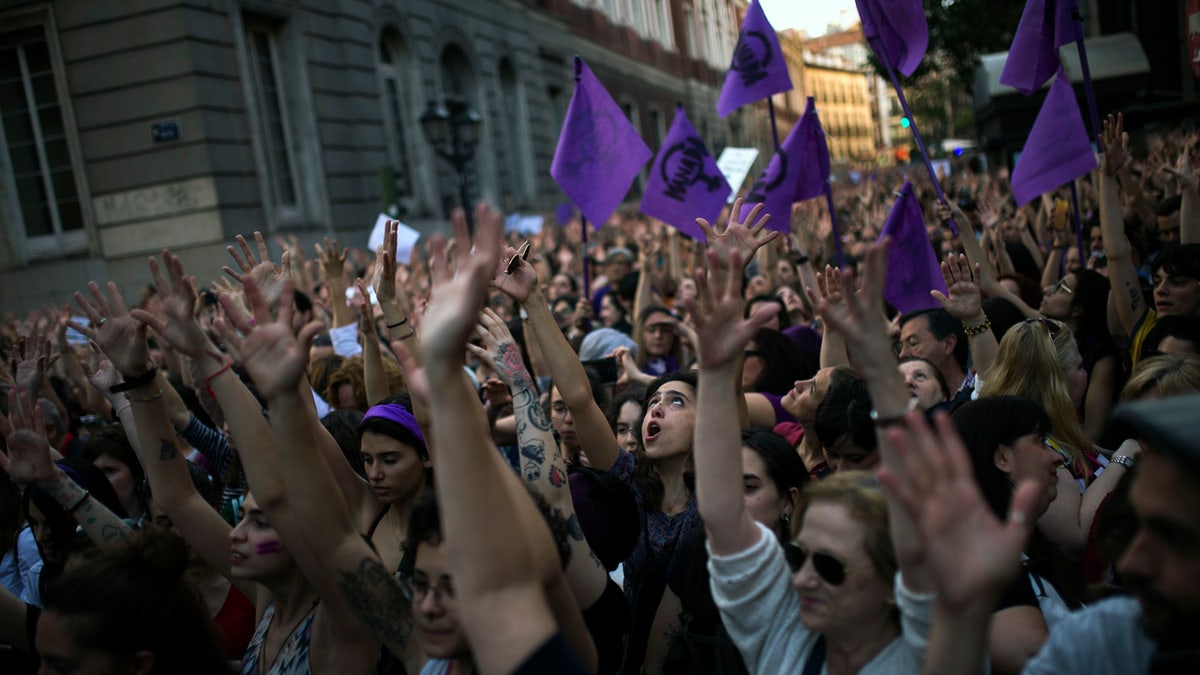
(268, 547)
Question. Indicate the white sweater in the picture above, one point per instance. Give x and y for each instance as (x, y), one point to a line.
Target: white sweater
(761, 612)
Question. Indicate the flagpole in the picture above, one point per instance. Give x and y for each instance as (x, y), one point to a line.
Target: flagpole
(1078, 222)
(912, 123)
(837, 237)
(1077, 17)
(587, 286)
(774, 130)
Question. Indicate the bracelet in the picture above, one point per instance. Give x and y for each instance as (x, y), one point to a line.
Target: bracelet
(1124, 460)
(978, 329)
(135, 381)
(116, 413)
(82, 500)
(143, 399)
(801, 260)
(208, 380)
(411, 332)
(893, 420)
(399, 323)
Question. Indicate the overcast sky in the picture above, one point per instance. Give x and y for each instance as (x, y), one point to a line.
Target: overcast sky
(811, 16)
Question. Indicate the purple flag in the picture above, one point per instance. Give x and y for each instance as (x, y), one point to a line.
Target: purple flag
(599, 152)
(1057, 150)
(913, 268)
(798, 171)
(898, 29)
(685, 182)
(813, 176)
(1045, 26)
(758, 69)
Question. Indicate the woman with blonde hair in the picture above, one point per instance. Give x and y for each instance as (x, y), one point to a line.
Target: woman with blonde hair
(1039, 359)
(1163, 377)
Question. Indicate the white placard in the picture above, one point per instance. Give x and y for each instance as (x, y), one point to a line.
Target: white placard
(735, 164)
(406, 238)
(526, 225)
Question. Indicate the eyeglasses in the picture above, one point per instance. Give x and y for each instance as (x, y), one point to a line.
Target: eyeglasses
(1053, 328)
(831, 570)
(1062, 286)
(415, 588)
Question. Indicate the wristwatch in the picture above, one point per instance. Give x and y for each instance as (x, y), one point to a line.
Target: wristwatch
(1124, 460)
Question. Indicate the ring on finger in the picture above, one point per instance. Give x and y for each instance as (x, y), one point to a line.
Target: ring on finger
(101, 322)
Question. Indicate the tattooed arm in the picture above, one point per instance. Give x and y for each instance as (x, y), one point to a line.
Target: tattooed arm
(542, 465)
(28, 462)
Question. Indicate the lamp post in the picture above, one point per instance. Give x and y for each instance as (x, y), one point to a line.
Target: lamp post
(453, 130)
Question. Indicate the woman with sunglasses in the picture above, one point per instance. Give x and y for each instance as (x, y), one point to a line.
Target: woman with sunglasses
(1038, 359)
(1080, 300)
(835, 600)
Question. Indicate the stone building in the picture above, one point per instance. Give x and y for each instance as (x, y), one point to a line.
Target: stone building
(136, 125)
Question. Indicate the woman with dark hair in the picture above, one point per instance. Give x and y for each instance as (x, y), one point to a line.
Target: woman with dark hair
(625, 413)
(1080, 300)
(773, 477)
(110, 451)
(1005, 438)
(658, 346)
(844, 426)
(130, 611)
(771, 366)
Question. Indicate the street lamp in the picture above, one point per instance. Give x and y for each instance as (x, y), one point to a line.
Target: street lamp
(453, 131)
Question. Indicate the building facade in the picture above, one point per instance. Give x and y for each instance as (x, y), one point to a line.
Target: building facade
(133, 126)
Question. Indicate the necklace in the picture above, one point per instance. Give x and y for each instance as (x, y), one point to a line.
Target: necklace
(262, 664)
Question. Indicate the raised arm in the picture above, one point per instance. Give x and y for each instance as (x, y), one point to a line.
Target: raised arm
(515, 602)
(1189, 190)
(965, 305)
(829, 289)
(124, 344)
(723, 335)
(542, 465)
(333, 266)
(971, 554)
(373, 373)
(1122, 275)
(28, 463)
(596, 438)
(860, 319)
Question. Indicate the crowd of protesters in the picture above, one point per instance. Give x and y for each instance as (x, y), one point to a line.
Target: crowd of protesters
(697, 457)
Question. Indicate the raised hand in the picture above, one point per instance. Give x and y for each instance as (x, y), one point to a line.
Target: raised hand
(456, 298)
(28, 459)
(1182, 171)
(744, 236)
(521, 282)
(721, 332)
(860, 318)
(499, 349)
(266, 275)
(31, 358)
(274, 357)
(384, 279)
(104, 374)
(971, 554)
(831, 291)
(116, 332)
(174, 318)
(964, 302)
(1114, 144)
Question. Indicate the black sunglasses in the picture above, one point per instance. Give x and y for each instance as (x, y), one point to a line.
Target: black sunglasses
(1052, 328)
(829, 568)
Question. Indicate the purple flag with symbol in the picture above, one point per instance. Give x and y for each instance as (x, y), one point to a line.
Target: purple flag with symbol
(1045, 26)
(685, 182)
(898, 29)
(1058, 150)
(599, 152)
(758, 69)
(798, 171)
(913, 268)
